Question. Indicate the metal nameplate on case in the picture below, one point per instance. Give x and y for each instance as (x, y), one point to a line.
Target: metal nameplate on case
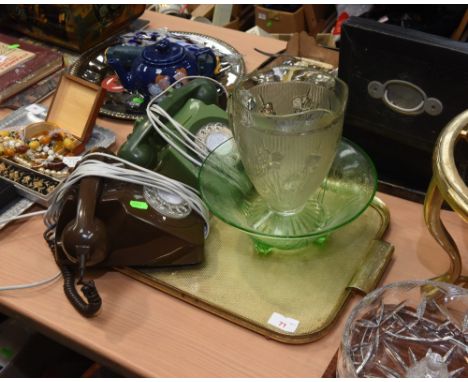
(404, 97)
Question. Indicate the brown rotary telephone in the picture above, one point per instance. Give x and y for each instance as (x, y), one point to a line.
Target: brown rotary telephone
(112, 223)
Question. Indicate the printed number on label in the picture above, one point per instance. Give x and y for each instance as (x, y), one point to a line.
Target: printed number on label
(287, 324)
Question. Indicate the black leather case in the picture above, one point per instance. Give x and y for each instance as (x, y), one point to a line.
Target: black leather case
(404, 87)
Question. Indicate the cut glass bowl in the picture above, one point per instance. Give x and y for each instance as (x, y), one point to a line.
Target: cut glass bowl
(407, 329)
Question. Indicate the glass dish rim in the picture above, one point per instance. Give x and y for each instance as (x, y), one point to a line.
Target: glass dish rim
(306, 236)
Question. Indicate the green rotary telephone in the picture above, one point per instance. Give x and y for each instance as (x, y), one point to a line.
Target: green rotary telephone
(196, 107)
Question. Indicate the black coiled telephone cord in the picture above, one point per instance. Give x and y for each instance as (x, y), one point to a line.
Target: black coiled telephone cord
(93, 301)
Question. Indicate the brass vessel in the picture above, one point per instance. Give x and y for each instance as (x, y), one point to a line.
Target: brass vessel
(447, 185)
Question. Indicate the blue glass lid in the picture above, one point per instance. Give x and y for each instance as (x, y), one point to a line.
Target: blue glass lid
(164, 52)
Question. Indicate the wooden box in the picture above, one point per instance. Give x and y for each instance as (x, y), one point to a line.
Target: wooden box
(73, 110)
(37, 156)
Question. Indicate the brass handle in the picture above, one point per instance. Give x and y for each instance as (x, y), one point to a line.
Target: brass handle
(447, 185)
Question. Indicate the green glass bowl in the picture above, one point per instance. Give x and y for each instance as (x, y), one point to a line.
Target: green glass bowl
(344, 195)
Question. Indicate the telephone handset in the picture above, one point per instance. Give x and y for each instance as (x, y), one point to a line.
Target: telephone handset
(84, 242)
(85, 239)
(143, 143)
(108, 223)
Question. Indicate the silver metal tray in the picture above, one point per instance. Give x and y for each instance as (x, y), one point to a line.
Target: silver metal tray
(91, 67)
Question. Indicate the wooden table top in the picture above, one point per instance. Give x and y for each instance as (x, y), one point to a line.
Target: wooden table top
(142, 331)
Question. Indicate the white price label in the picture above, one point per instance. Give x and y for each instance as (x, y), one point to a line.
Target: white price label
(262, 16)
(35, 108)
(287, 324)
(71, 161)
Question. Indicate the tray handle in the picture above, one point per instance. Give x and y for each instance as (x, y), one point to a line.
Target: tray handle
(369, 275)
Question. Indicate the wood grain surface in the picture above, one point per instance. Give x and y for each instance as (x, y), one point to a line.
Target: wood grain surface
(144, 332)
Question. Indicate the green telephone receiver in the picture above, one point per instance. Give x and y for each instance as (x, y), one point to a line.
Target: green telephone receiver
(207, 122)
(144, 144)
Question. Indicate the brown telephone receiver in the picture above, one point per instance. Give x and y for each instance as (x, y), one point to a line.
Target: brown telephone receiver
(84, 239)
(109, 223)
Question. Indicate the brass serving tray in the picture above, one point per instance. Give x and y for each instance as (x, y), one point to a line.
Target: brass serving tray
(305, 288)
